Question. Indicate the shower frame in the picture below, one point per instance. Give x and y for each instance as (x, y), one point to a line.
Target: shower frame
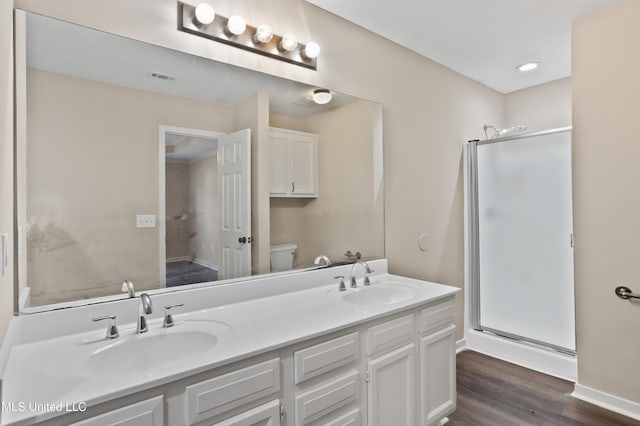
(473, 289)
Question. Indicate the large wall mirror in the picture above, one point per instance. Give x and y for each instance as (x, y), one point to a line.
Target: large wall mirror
(141, 163)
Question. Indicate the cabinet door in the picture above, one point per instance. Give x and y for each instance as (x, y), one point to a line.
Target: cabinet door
(265, 415)
(437, 375)
(279, 151)
(303, 162)
(391, 389)
(144, 413)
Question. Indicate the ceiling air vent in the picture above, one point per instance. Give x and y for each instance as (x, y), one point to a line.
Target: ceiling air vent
(161, 76)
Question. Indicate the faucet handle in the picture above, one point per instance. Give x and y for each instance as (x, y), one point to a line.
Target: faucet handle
(368, 271)
(168, 319)
(112, 329)
(341, 286)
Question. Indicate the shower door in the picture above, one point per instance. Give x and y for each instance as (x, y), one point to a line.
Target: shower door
(523, 245)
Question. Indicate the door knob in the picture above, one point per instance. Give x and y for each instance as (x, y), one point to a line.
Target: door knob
(242, 240)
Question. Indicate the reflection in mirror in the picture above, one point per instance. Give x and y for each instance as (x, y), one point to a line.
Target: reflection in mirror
(143, 163)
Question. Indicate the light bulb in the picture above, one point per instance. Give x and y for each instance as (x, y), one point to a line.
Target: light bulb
(312, 50)
(263, 34)
(322, 96)
(288, 43)
(205, 14)
(236, 25)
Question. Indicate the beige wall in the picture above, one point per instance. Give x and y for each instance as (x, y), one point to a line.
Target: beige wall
(543, 107)
(606, 86)
(6, 157)
(203, 203)
(178, 224)
(117, 163)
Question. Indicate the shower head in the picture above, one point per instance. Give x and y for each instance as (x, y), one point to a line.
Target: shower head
(497, 133)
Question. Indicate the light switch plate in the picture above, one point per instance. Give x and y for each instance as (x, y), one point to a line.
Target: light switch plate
(146, 221)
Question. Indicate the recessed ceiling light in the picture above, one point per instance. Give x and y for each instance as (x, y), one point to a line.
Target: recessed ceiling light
(529, 66)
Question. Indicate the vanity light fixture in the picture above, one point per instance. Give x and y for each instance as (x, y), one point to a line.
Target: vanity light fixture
(236, 25)
(311, 50)
(529, 66)
(263, 34)
(204, 14)
(201, 20)
(288, 43)
(322, 96)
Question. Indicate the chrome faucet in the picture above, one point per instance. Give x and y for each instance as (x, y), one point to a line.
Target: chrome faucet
(145, 308)
(127, 287)
(367, 271)
(112, 330)
(322, 259)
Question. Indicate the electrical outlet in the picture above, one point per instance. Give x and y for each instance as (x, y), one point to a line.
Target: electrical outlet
(146, 221)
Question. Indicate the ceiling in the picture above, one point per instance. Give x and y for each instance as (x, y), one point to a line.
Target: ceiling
(482, 39)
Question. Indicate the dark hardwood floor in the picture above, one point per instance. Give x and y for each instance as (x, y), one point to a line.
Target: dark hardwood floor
(494, 392)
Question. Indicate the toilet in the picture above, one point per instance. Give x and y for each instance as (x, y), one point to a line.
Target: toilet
(282, 257)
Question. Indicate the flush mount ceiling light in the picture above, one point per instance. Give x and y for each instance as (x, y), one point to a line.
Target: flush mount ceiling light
(202, 21)
(322, 96)
(529, 66)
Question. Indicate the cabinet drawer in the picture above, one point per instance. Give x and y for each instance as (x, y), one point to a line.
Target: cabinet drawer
(352, 418)
(390, 334)
(148, 412)
(319, 359)
(265, 415)
(214, 396)
(323, 399)
(437, 316)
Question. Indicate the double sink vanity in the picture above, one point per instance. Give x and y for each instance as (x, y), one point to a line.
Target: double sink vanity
(283, 349)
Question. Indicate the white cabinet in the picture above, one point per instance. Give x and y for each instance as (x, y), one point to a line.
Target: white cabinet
(437, 364)
(437, 375)
(391, 388)
(144, 413)
(294, 163)
(209, 398)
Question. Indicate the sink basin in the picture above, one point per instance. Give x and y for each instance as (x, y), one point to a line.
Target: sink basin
(155, 349)
(378, 294)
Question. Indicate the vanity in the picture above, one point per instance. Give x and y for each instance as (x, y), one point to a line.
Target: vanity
(283, 349)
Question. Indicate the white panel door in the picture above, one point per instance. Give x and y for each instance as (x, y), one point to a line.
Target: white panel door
(525, 238)
(234, 179)
(391, 389)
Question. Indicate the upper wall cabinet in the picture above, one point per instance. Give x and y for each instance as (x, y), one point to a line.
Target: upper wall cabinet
(294, 163)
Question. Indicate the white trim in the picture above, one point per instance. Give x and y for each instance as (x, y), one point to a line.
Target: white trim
(461, 345)
(162, 231)
(196, 261)
(24, 298)
(529, 356)
(607, 401)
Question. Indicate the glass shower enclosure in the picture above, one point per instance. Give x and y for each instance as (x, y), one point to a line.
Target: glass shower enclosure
(521, 238)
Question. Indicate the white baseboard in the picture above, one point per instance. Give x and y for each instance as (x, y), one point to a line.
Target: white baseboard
(539, 359)
(191, 259)
(461, 345)
(607, 401)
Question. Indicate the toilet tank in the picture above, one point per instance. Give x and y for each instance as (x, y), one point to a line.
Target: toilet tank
(282, 257)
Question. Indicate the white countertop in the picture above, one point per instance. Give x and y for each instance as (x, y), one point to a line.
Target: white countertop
(50, 371)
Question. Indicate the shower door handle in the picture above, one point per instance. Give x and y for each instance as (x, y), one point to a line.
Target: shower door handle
(625, 293)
